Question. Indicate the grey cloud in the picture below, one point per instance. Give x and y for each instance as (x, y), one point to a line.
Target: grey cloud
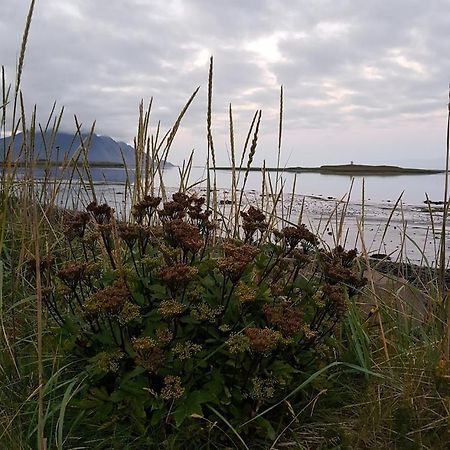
(343, 64)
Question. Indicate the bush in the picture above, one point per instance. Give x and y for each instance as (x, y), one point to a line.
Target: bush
(176, 325)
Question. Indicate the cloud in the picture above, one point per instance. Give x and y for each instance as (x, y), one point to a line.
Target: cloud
(344, 66)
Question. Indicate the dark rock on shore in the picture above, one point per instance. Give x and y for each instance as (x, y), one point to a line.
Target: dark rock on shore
(416, 275)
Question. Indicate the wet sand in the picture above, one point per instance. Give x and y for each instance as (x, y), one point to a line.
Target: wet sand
(407, 234)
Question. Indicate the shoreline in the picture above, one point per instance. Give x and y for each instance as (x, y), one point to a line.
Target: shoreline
(344, 169)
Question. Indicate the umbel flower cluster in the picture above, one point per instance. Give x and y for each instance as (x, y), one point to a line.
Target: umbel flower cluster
(173, 318)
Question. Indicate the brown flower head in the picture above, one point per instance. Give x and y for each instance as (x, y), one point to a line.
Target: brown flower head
(253, 220)
(335, 294)
(102, 213)
(145, 208)
(177, 276)
(196, 213)
(112, 301)
(263, 340)
(170, 308)
(176, 209)
(236, 259)
(72, 274)
(284, 316)
(337, 268)
(91, 238)
(300, 257)
(346, 257)
(171, 211)
(75, 224)
(183, 235)
(130, 233)
(148, 354)
(292, 236)
(181, 198)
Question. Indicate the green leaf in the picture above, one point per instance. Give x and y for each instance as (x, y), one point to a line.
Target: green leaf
(192, 405)
(137, 407)
(281, 368)
(100, 393)
(267, 426)
(133, 373)
(68, 394)
(88, 404)
(133, 387)
(157, 416)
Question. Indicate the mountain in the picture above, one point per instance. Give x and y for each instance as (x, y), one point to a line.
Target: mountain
(103, 150)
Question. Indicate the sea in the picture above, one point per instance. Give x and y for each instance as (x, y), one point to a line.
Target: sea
(397, 215)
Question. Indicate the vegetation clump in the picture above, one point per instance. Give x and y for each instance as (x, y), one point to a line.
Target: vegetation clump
(178, 323)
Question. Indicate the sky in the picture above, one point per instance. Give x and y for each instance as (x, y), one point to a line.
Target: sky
(363, 81)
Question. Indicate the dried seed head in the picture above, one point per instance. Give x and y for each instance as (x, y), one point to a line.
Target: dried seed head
(183, 235)
(186, 350)
(293, 236)
(335, 295)
(263, 340)
(178, 276)
(336, 266)
(102, 213)
(130, 233)
(237, 343)
(75, 224)
(253, 220)
(113, 301)
(285, 317)
(145, 208)
(236, 259)
(148, 354)
(72, 274)
(172, 389)
(170, 308)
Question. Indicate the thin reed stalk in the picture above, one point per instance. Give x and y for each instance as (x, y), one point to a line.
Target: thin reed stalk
(442, 259)
(280, 134)
(250, 156)
(211, 151)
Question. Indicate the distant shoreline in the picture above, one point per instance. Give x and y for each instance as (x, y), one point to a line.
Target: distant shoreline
(346, 169)
(68, 164)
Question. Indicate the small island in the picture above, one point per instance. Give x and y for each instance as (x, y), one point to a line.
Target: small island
(346, 169)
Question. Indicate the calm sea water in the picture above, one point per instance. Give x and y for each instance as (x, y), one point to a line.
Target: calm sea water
(377, 189)
(408, 231)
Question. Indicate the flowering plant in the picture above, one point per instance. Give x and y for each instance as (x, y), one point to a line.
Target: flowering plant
(177, 324)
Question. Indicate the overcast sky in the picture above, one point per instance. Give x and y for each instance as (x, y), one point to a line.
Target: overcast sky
(363, 80)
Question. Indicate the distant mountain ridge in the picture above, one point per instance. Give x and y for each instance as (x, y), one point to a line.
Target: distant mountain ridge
(102, 149)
